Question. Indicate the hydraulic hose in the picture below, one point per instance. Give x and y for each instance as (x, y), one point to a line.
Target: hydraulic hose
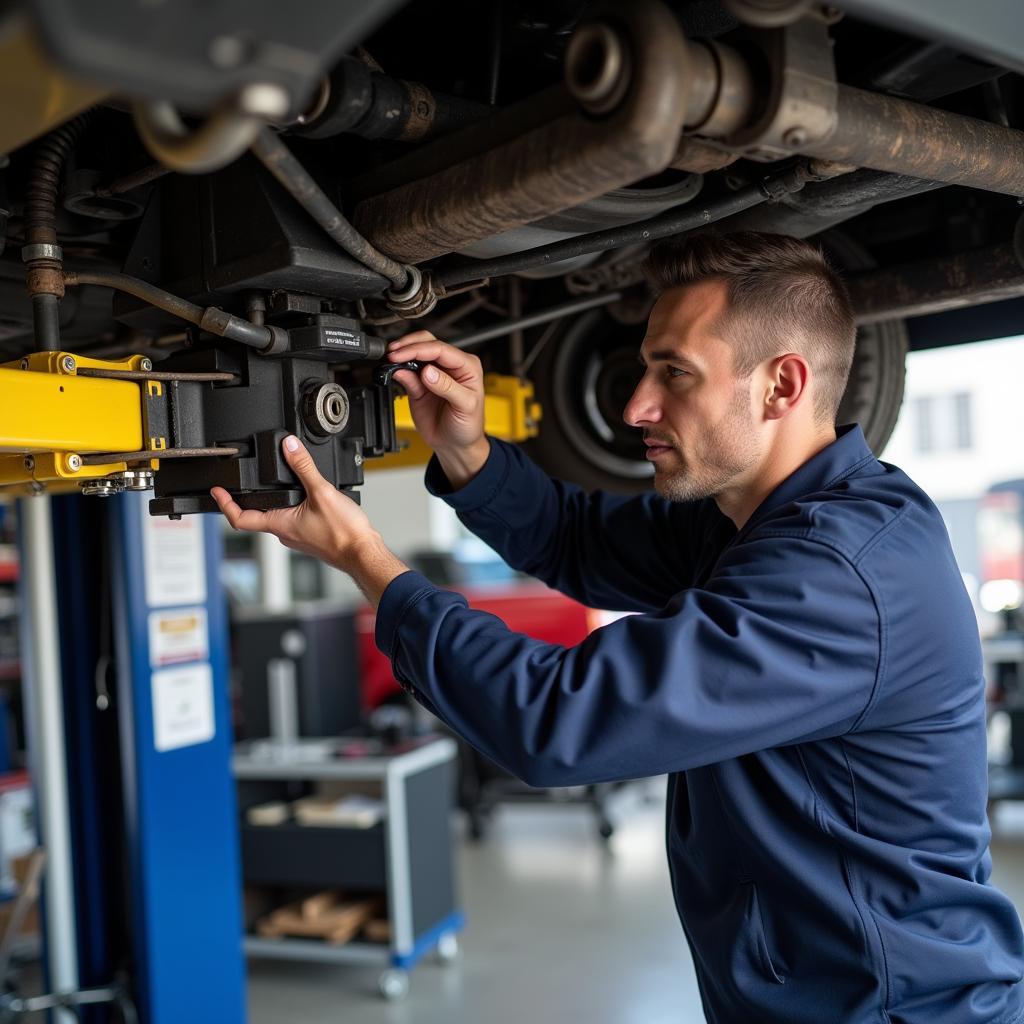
(265, 338)
(41, 253)
(277, 158)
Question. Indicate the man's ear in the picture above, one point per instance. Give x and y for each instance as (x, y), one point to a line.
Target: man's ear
(788, 378)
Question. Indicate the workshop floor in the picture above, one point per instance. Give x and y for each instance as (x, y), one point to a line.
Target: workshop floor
(559, 929)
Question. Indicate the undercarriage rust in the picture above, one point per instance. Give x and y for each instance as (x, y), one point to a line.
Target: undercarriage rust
(932, 286)
(559, 164)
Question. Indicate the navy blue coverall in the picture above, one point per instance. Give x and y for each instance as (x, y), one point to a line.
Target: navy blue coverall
(813, 683)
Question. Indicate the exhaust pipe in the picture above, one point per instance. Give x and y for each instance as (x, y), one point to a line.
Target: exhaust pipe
(626, 71)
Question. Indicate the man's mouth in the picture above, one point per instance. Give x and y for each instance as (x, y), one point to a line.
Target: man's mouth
(655, 449)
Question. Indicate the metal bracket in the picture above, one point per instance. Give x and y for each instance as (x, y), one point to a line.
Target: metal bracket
(802, 99)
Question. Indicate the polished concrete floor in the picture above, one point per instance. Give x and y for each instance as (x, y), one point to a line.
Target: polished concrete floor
(561, 929)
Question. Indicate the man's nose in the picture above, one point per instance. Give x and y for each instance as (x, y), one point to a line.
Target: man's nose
(642, 407)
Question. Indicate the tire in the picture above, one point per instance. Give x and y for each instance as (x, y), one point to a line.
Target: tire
(584, 378)
(874, 392)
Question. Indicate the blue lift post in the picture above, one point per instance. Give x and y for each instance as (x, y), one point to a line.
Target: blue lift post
(180, 805)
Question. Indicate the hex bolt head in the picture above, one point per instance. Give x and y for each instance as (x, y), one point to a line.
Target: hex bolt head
(795, 136)
(67, 364)
(146, 364)
(357, 459)
(74, 462)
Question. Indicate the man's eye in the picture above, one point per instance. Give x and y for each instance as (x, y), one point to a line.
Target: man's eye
(675, 371)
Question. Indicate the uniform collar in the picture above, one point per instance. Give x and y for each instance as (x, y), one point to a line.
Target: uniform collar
(843, 457)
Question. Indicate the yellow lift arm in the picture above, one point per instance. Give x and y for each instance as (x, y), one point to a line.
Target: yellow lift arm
(55, 418)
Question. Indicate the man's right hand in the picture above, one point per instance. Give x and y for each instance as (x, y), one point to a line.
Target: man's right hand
(446, 399)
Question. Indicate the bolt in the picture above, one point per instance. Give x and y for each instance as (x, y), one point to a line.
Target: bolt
(24, 362)
(30, 463)
(795, 136)
(74, 462)
(67, 364)
(146, 364)
(357, 459)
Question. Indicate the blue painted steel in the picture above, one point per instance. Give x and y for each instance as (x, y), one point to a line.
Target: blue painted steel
(180, 813)
(424, 943)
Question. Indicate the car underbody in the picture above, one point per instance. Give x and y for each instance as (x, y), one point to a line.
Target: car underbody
(179, 188)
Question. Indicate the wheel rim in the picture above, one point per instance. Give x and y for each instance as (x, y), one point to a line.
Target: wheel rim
(596, 371)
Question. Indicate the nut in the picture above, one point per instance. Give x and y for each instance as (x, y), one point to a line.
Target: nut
(67, 364)
(74, 462)
(146, 364)
(30, 463)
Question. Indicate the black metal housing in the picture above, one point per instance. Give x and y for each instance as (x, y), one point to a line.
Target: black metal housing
(254, 415)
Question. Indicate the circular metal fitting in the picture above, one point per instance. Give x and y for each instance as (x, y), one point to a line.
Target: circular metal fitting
(25, 364)
(30, 462)
(146, 364)
(74, 462)
(413, 284)
(319, 103)
(102, 487)
(136, 479)
(795, 136)
(325, 410)
(67, 364)
(597, 67)
(416, 298)
(41, 251)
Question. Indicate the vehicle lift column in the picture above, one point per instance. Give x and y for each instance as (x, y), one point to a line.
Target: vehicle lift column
(172, 828)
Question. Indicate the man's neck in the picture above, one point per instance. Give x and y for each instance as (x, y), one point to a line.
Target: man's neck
(781, 461)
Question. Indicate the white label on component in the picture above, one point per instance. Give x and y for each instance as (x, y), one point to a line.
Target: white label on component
(177, 636)
(175, 557)
(182, 706)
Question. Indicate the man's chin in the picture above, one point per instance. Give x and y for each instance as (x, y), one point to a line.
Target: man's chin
(677, 485)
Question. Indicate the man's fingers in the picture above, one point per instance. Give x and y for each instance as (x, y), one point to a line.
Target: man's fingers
(459, 364)
(249, 519)
(302, 464)
(411, 382)
(460, 398)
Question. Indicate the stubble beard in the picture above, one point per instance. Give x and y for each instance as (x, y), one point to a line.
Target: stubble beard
(720, 454)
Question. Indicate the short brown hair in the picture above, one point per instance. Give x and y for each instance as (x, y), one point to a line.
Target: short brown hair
(783, 296)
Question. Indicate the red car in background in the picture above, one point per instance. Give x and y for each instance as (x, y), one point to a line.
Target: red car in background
(525, 607)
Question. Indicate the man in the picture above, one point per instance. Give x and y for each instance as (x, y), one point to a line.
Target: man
(806, 664)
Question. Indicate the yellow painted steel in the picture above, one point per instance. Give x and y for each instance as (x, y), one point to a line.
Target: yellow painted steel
(48, 413)
(510, 413)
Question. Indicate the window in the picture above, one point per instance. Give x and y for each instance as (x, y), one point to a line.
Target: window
(942, 422)
(924, 428)
(962, 420)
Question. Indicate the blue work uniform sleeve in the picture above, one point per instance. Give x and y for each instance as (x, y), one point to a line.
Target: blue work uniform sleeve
(607, 551)
(781, 646)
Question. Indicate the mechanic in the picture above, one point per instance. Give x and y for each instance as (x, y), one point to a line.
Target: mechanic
(805, 664)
